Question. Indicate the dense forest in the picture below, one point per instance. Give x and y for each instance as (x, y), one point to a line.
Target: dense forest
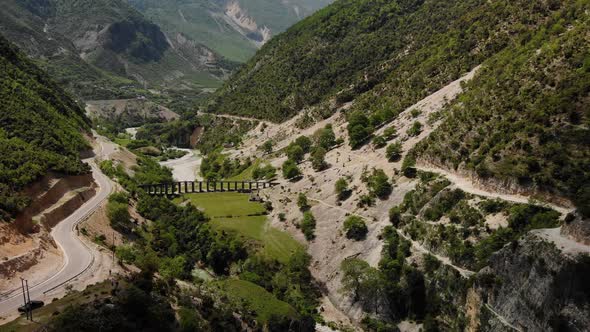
(526, 116)
(393, 53)
(41, 128)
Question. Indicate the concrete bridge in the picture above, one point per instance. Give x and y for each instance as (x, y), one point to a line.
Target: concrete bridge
(191, 187)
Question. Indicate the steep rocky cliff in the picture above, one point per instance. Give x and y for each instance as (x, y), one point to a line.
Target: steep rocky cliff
(535, 286)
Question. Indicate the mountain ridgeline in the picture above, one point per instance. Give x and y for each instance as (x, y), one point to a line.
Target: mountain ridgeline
(106, 49)
(234, 29)
(40, 128)
(527, 103)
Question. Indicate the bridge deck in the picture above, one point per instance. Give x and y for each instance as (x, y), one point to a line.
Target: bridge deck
(191, 187)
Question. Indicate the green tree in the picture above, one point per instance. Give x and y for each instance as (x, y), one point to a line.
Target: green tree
(353, 273)
(318, 161)
(355, 228)
(379, 142)
(295, 152)
(359, 129)
(290, 170)
(305, 143)
(378, 184)
(325, 137)
(118, 212)
(308, 225)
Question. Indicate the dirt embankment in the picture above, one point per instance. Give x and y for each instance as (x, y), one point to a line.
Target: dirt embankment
(26, 242)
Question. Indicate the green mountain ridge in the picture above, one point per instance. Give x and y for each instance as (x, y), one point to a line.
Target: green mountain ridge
(112, 53)
(40, 128)
(387, 55)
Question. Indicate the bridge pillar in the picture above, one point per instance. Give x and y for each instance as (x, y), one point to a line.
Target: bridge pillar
(200, 187)
(236, 186)
(166, 188)
(222, 184)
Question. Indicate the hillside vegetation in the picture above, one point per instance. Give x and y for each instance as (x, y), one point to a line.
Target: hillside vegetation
(40, 128)
(524, 119)
(393, 53)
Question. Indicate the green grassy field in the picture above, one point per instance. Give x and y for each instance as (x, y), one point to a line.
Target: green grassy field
(219, 206)
(224, 204)
(123, 141)
(256, 298)
(43, 315)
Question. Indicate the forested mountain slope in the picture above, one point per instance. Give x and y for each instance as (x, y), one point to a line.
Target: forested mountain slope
(235, 29)
(40, 128)
(106, 49)
(525, 118)
(413, 47)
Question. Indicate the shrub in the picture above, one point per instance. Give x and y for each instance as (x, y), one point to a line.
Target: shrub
(416, 129)
(394, 151)
(355, 228)
(341, 189)
(379, 142)
(366, 200)
(395, 215)
(267, 147)
(308, 225)
(302, 202)
(264, 172)
(378, 184)
(389, 133)
(409, 166)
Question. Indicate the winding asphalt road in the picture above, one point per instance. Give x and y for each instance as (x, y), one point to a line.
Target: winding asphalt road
(77, 256)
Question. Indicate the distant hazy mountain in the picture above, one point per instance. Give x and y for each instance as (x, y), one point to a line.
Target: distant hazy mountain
(107, 49)
(233, 28)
